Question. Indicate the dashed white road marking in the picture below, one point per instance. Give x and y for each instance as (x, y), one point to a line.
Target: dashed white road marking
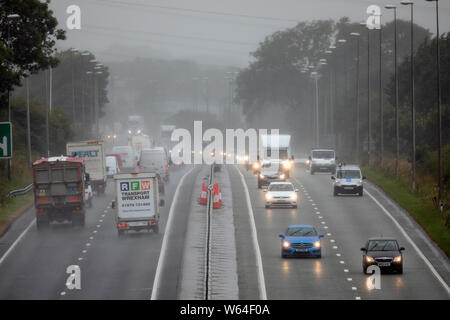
(342, 262)
(354, 288)
(63, 293)
(16, 242)
(346, 270)
(338, 254)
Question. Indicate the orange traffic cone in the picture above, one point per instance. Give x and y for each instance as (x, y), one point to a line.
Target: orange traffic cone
(204, 195)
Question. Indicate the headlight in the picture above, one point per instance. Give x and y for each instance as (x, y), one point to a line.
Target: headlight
(246, 158)
(286, 164)
(282, 176)
(286, 244)
(293, 196)
(317, 244)
(255, 166)
(269, 196)
(398, 259)
(129, 131)
(308, 161)
(369, 259)
(261, 176)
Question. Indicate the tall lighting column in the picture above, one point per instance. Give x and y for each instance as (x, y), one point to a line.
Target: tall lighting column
(357, 36)
(439, 119)
(397, 130)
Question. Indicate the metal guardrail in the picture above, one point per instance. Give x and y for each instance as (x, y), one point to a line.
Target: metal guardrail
(20, 192)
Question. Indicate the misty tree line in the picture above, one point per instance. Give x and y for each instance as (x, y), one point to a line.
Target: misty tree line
(279, 80)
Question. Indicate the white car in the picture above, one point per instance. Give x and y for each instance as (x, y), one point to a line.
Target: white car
(281, 193)
(112, 167)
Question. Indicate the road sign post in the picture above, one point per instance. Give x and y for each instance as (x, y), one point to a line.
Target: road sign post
(5, 140)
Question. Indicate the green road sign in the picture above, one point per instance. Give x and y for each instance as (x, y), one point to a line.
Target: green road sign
(5, 140)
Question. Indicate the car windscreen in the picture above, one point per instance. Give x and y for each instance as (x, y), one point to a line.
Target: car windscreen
(382, 245)
(301, 232)
(323, 154)
(281, 187)
(348, 174)
(270, 166)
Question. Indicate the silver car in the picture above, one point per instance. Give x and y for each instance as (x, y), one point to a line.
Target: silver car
(348, 180)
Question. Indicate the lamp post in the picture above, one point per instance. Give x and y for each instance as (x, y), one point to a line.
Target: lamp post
(439, 119)
(369, 127)
(413, 111)
(9, 17)
(315, 76)
(397, 132)
(357, 36)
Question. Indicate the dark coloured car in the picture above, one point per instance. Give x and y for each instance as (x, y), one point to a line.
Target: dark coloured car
(384, 253)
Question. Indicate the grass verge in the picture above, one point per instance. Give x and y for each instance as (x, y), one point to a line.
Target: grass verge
(13, 209)
(417, 204)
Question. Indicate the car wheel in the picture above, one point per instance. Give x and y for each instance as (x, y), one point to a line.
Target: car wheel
(364, 270)
(335, 193)
(283, 256)
(295, 207)
(267, 206)
(360, 193)
(400, 270)
(319, 256)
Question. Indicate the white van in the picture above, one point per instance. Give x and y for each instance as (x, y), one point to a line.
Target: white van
(155, 160)
(129, 159)
(112, 167)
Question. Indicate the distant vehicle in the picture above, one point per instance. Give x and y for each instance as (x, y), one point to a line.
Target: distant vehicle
(112, 167)
(118, 159)
(135, 125)
(59, 190)
(384, 253)
(139, 142)
(282, 194)
(323, 160)
(283, 147)
(88, 194)
(301, 240)
(137, 202)
(129, 159)
(348, 180)
(270, 171)
(92, 152)
(155, 160)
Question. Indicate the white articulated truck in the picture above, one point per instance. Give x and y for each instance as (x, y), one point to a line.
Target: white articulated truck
(93, 154)
(137, 202)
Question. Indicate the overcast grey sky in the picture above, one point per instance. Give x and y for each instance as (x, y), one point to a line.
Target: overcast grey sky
(210, 31)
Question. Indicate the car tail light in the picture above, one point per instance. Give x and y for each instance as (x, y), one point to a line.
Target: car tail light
(150, 223)
(121, 225)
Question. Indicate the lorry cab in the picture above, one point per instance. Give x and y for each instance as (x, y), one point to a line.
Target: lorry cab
(127, 155)
(59, 190)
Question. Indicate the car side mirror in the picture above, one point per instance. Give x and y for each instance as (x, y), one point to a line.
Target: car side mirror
(364, 177)
(402, 249)
(162, 203)
(333, 178)
(113, 204)
(321, 235)
(282, 236)
(363, 249)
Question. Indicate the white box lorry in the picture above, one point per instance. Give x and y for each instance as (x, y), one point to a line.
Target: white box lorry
(92, 152)
(137, 202)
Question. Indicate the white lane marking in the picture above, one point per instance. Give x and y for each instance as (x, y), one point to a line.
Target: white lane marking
(329, 234)
(323, 222)
(95, 231)
(261, 284)
(419, 252)
(332, 240)
(346, 270)
(16, 242)
(84, 251)
(358, 298)
(349, 279)
(63, 293)
(342, 262)
(168, 228)
(80, 258)
(338, 254)
(354, 288)
(335, 247)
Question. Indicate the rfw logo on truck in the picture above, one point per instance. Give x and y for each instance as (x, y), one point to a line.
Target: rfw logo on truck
(135, 186)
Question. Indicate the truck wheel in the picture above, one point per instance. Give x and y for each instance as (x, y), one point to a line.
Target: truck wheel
(79, 219)
(335, 193)
(120, 232)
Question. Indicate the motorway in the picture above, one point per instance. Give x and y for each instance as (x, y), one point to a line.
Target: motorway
(346, 222)
(33, 264)
(111, 267)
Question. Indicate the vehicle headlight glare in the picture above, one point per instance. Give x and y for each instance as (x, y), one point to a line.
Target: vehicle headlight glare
(369, 259)
(293, 196)
(269, 196)
(282, 176)
(317, 244)
(261, 176)
(398, 259)
(286, 244)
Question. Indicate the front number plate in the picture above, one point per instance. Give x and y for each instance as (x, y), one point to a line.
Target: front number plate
(384, 264)
(301, 250)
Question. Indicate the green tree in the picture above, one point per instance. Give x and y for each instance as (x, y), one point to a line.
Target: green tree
(27, 42)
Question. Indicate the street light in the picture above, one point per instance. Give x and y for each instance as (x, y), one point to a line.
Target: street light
(315, 76)
(10, 17)
(369, 125)
(397, 134)
(357, 36)
(438, 70)
(413, 111)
